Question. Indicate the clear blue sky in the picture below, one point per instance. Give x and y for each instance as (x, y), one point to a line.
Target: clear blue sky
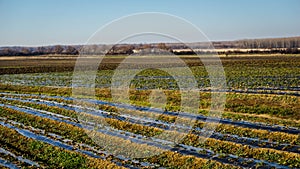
(44, 22)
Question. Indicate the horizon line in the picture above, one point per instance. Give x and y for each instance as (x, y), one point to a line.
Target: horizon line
(135, 43)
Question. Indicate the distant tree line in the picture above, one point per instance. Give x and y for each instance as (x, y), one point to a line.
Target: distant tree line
(274, 45)
(271, 43)
(119, 49)
(33, 51)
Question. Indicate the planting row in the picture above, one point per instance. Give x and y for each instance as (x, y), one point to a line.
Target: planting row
(140, 119)
(239, 76)
(222, 143)
(278, 100)
(77, 133)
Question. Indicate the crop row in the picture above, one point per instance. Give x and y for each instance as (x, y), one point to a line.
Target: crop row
(229, 115)
(8, 164)
(12, 161)
(222, 128)
(228, 147)
(150, 131)
(285, 107)
(240, 130)
(173, 96)
(279, 156)
(77, 133)
(237, 77)
(106, 143)
(60, 141)
(46, 154)
(281, 106)
(137, 130)
(101, 93)
(132, 127)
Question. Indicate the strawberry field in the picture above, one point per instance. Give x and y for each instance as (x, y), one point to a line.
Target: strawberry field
(43, 126)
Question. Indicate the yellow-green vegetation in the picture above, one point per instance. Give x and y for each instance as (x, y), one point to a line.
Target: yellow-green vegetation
(271, 109)
(260, 124)
(48, 155)
(81, 135)
(222, 128)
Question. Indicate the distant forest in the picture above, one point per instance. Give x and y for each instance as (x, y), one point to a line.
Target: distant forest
(289, 45)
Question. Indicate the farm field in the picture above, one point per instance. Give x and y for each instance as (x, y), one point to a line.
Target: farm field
(41, 126)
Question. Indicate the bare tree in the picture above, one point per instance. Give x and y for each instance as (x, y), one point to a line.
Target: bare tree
(58, 49)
